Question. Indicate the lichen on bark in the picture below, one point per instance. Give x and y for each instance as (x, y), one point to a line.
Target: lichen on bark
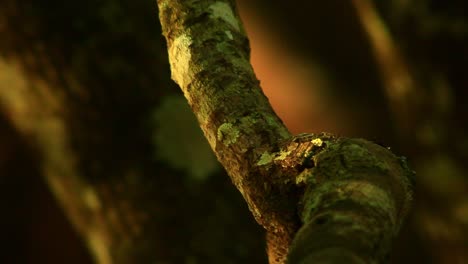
(291, 184)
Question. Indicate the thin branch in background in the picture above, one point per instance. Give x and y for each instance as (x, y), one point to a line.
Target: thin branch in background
(400, 87)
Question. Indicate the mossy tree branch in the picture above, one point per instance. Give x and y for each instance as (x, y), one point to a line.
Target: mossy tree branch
(209, 57)
(351, 194)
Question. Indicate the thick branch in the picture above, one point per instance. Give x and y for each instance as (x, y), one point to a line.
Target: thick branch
(357, 194)
(346, 185)
(209, 57)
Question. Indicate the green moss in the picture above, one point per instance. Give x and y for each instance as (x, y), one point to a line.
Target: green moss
(273, 122)
(228, 134)
(266, 158)
(313, 199)
(359, 191)
(247, 121)
(224, 11)
(371, 195)
(355, 152)
(229, 34)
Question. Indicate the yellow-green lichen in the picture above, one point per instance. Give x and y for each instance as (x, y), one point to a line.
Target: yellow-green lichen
(304, 177)
(224, 11)
(283, 155)
(317, 142)
(228, 134)
(179, 58)
(333, 192)
(265, 158)
(163, 5)
(229, 34)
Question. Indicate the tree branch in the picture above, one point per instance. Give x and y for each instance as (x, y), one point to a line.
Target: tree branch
(209, 57)
(344, 189)
(357, 194)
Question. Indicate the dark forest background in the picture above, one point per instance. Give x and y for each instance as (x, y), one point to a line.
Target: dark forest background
(98, 148)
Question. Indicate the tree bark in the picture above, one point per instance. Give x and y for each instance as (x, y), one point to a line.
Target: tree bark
(85, 104)
(345, 190)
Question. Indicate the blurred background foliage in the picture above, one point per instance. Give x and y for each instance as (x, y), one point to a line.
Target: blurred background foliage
(89, 115)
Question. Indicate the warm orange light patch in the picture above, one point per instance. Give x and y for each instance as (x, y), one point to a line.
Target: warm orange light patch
(293, 85)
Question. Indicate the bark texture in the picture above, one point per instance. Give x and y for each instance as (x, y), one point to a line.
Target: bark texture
(420, 51)
(83, 79)
(357, 195)
(209, 57)
(340, 188)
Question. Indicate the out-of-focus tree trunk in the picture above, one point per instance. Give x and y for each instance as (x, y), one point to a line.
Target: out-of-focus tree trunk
(421, 57)
(87, 85)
